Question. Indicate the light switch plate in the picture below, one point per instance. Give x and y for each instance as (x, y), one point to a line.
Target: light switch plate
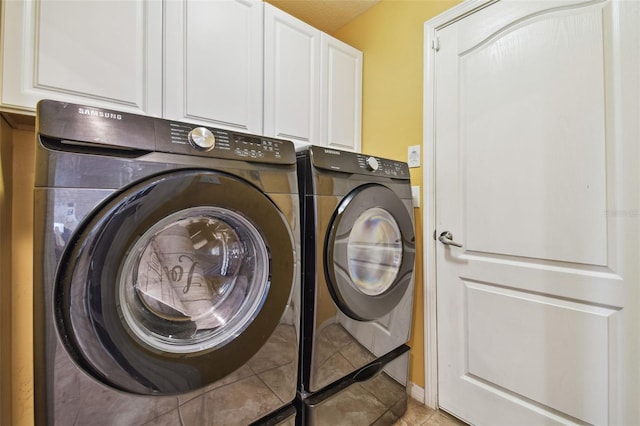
(413, 156)
(415, 195)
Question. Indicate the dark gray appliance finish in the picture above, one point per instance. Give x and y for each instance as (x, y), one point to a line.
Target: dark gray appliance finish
(132, 213)
(358, 257)
(286, 416)
(371, 396)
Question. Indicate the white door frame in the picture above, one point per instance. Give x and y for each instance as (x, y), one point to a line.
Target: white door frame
(428, 121)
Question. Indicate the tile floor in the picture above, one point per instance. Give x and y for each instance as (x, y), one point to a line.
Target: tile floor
(419, 415)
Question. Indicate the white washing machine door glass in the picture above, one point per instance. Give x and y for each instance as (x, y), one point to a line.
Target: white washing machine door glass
(194, 280)
(374, 251)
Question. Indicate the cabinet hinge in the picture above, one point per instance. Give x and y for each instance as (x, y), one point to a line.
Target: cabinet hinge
(435, 44)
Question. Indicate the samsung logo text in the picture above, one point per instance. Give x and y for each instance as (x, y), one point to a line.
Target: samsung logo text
(100, 114)
(331, 151)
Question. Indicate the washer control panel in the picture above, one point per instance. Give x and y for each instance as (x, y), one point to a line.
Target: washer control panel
(185, 138)
(351, 162)
(202, 138)
(101, 130)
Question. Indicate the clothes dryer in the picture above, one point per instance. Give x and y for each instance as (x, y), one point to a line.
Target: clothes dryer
(166, 271)
(358, 263)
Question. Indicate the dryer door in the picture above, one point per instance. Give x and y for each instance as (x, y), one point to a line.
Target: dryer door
(175, 282)
(370, 252)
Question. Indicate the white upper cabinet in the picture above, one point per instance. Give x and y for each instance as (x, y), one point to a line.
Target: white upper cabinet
(106, 53)
(213, 63)
(341, 88)
(291, 78)
(312, 84)
(237, 64)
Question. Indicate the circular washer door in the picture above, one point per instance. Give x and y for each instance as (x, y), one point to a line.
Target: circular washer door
(369, 252)
(175, 282)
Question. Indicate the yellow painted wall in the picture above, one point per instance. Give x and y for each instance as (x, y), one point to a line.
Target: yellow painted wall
(390, 35)
(6, 179)
(16, 274)
(22, 273)
(22, 277)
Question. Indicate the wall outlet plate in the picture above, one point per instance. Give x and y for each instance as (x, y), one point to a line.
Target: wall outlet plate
(413, 156)
(415, 195)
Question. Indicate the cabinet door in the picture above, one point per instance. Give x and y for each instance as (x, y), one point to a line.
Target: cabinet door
(341, 89)
(213, 63)
(104, 53)
(291, 78)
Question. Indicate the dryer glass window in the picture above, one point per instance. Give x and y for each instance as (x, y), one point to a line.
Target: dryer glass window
(374, 251)
(195, 280)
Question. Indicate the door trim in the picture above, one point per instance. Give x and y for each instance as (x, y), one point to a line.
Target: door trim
(428, 181)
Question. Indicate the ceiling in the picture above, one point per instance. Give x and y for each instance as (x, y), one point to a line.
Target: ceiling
(326, 15)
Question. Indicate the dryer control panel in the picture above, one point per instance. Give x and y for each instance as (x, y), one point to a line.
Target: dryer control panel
(351, 162)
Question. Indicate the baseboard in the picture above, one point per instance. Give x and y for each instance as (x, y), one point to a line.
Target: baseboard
(416, 392)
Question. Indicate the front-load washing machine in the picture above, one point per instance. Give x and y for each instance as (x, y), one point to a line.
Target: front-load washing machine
(357, 294)
(166, 279)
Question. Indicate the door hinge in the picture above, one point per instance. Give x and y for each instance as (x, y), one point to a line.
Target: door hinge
(435, 44)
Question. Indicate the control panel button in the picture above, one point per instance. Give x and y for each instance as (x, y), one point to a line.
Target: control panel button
(201, 138)
(373, 164)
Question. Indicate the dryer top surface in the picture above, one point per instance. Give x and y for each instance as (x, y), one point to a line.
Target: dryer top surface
(330, 172)
(333, 160)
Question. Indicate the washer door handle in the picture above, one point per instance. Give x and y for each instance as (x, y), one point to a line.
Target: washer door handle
(446, 238)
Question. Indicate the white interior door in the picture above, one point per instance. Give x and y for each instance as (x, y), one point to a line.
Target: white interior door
(536, 158)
